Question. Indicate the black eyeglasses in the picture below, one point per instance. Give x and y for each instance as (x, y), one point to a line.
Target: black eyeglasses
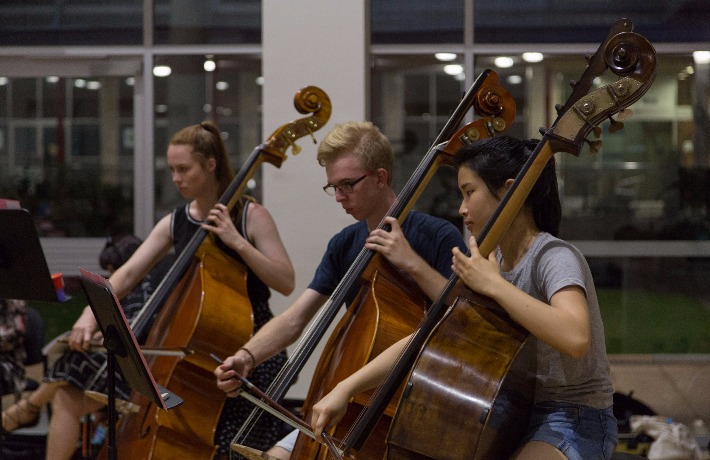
(345, 187)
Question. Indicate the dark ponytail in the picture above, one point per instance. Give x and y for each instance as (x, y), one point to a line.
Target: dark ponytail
(497, 159)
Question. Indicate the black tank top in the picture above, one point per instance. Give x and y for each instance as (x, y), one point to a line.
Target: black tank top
(183, 226)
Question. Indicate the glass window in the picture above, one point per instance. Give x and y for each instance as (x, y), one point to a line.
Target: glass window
(71, 22)
(557, 21)
(24, 98)
(85, 140)
(85, 97)
(66, 170)
(179, 22)
(53, 97)
(404, 21)
(654, 305)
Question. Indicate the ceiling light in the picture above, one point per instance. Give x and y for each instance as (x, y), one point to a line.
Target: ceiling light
(209, 65)
(445, 56)
(503, 62)
(701, 57)
(515, 79)
(162, 70)
(532, 57)
(453, 69)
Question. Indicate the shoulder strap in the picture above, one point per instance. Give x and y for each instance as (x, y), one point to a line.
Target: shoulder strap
(239, 215)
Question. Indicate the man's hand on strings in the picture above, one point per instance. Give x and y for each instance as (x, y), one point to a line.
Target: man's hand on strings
(392, 244)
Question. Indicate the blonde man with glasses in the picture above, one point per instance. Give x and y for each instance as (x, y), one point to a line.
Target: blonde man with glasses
(358, 161)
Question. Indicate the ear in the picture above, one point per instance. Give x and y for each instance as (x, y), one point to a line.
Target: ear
(382, 176)
(211, 164)
(504, 188)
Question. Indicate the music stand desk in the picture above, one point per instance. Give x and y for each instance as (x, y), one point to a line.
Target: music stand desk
(122, 349)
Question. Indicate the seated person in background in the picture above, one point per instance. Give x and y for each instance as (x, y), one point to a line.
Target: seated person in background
(12, 350)
(80, 368)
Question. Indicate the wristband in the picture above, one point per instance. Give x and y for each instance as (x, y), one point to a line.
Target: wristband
(251, 355)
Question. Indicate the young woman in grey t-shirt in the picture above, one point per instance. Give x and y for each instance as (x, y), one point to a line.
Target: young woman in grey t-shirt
(545, 285)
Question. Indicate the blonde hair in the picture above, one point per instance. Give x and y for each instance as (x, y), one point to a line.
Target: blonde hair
(373, 149)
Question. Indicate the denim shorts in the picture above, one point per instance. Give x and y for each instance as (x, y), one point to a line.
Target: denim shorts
(580, 432)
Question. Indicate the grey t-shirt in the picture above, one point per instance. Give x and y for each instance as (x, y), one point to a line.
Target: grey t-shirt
(548, 266)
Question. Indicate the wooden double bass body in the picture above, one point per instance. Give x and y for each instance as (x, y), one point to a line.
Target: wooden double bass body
(471, 382)
(203, 308)
(389, 305)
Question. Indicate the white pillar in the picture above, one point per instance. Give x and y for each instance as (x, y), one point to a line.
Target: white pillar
(325, 44)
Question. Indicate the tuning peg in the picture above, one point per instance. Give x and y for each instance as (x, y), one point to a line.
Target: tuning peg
(542, 130)
(615, 125)
(310, 132)
(624, 114)
(597, 131)
(573, 83)
(558, 108)
(594, 146)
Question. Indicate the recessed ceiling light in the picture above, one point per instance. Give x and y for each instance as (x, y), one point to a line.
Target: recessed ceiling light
(503, 62)
(445, 56)
(532, 57)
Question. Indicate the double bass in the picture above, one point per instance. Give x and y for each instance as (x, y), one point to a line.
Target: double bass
(203, 308)
(497, 108)
(469, 369)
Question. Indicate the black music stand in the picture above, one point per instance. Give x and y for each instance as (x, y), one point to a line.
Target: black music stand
(24, 273)
(122, 348)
